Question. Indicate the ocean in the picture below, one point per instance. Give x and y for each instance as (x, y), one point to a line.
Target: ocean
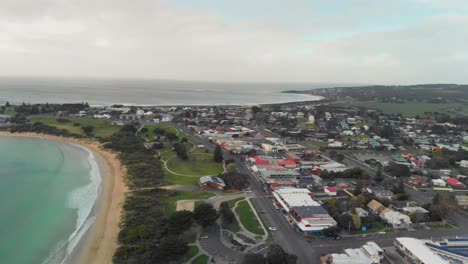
(47, 193)
(148, 92)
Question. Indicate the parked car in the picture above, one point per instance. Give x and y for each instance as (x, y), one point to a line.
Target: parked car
(203, 236)
(272, 228)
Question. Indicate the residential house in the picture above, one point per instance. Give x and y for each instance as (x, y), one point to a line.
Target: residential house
(417, 181)
(395, 219)
(375, 207)
(207, 182)
(380, 192)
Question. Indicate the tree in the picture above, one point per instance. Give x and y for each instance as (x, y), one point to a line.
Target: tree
(379, 176)
(231, 167)
(256, 109)
(180, 221)
(159, 131)
(442, 207)
(235, 180)
(181, 150)
(7, 104)
(205, 215)
(356, 221)
(88, 130)
(170, 248)
(399, 188)
(226, 213)
(172, 136)
(345, 221)
(277, 255)
(218, 154)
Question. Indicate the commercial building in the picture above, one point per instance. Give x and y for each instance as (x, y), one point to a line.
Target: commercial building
(413, 250)
(453, 249)
(306, 214)
(369, 253)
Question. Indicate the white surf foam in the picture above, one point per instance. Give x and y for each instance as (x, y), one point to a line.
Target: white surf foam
(83, 200)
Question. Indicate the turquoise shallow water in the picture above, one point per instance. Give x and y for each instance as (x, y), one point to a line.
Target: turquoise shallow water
(42, 186)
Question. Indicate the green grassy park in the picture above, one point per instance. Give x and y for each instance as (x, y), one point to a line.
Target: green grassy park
(198, 164)
(102, 128)
(248, 218)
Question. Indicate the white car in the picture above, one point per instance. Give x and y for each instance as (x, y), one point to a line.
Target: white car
(203, 236)
(272, 228)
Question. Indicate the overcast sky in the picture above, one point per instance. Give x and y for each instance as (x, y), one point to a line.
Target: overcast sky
(338, 41)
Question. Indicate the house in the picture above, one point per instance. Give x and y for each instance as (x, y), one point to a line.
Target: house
(438, 183)
(417, 181)
(462, 201)
(419, 213)
(375, 207)
(464, 163)
(455, 183)
(207, 182)
(361, 212)
(380, 192)
(331, 191)
(395, 219)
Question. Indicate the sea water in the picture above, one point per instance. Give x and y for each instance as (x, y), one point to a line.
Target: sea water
(47, 193)
(148, 92)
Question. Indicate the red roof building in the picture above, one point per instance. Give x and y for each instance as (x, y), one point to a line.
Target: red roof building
(260, 161)
(286, 163)
(454, 183)
(417, 181)
(330, 191)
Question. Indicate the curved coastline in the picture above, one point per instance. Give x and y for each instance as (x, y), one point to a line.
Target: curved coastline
(99, 242)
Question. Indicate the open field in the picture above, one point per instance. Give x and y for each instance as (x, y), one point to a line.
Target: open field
(170, 202)
(411, 109)
(198, 164)
(102, 128)
(248, 218)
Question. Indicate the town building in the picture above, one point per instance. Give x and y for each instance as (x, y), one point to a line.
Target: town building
(455, 183)
(380, 192)
(453, 249)
(306, 214)
(369, 253)
(414, 250)
(207, 182)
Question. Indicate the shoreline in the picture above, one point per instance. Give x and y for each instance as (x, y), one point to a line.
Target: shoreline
(100, 241)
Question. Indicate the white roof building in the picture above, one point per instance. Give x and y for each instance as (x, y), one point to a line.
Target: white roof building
(369, 253)
(394, 218)
(416, 250)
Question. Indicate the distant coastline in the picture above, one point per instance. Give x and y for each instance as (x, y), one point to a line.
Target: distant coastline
(100, 241)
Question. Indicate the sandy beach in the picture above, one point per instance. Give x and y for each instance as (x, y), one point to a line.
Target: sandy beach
(101, 242)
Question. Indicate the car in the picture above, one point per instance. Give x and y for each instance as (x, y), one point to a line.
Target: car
(336, 237)
(364, 236)
(203, 236)
(272, 228)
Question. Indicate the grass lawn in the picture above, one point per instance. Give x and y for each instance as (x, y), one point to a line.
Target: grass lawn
(102, 128)
(195, 165)
(408, 109)
(10, 111)
(192, 252)
(248, 218)
(180, 180)
(202, 259)
(232, 202)
(447, 226)
(376, 227)
(152, 136)
(170, 202)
